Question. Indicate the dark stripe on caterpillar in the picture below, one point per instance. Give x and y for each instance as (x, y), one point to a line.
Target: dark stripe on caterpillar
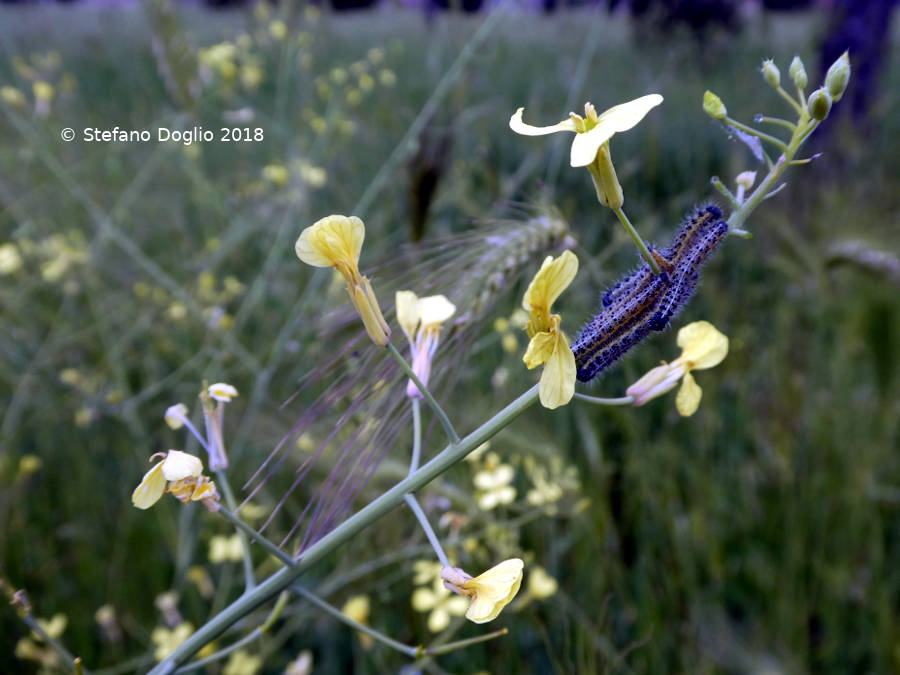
(643, 301)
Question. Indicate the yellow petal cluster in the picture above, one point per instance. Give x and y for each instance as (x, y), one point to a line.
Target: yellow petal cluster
(490, 591)
(184, 474)
(548, 345)
(703, 346)
(336, 241)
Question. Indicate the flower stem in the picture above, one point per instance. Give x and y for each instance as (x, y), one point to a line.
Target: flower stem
(413, 503)
(244, 528)
(344, 532)
(777, 142)
(625, 400)
(776, 120)
(636, 238)
(356, 625)
(54, 644)
(417, 437)
(459, 644)
(249, 579)
(442, 416)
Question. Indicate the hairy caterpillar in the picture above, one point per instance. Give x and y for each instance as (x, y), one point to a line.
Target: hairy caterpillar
(643, 301)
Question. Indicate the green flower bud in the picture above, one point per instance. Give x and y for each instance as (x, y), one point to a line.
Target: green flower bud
(819, 104)
(798, 73)
(771, 73)
(713, 106)
(838, 76)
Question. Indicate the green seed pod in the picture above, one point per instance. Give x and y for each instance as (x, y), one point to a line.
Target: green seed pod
(819, 104)
(838, 76)
(771, 73)
(798, 73)
(713, 106)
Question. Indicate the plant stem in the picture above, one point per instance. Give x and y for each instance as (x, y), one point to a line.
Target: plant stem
(257, 537)
(356, 625)
(249, 579)
(344, 532)
(776, 120)
(625, 400)
(777, 142)
(636, 238)
(453, 646)
(54, 644)
(413, 503)
(442, 416)
(417, 436)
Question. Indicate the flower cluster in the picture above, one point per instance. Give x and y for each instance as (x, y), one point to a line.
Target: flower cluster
(549, 345)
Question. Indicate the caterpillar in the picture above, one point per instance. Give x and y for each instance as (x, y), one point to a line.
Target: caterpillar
(644, 301)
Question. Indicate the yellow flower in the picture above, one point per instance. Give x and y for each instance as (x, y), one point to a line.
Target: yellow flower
(540, 584)
(336, 241)
(12, 96)
(225, 549)
(702, 347)
(548, 344)
(425, 314)
(167, 640)
(357, 608)
(183, 472)
(441, 605)
(590, 148)
(493, 483)
(242, 663)
(222, 391)
(490, 591)
(176, 415)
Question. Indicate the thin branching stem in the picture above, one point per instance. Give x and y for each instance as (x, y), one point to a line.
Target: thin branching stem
(417, 436)
(790, 126)
(596, 400)
(761, 135)
(438, 410)
(249, 579)
(636, 238)
(413, 504)
(355, 524)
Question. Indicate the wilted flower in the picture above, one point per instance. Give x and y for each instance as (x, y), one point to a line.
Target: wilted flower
(590, 147)
(548, 344)
(336, 241)
(183, 472)
(421, 319)
(490, 591)
(702, 347)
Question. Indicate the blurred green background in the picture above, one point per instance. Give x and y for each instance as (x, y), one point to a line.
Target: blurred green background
(760, 535)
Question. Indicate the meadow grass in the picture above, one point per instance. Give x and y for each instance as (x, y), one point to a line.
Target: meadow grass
(759, 534)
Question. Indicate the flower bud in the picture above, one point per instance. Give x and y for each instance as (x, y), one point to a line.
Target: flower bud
(771, 73)
(837, 77)
(798, 73)
(819, 104)
(713, 106)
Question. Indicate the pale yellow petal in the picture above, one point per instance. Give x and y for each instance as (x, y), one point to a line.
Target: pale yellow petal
(703, 346)
(330, 240)
(517, 125)
(585, 146)
(180, 465)
(688, 399)
(222, 391)
(407, 306)
(438, 620)
(540, 350)
(435, 309)
(150, 489)
(423, 600)
(558, 379)
(540, 584)
(493, 590)
(624, 116)
(550, 281)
